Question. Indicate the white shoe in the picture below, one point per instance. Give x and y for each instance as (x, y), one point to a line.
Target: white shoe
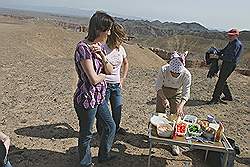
(175, 150)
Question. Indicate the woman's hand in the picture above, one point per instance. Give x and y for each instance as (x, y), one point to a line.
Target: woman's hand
(96, 48)
(122, 82)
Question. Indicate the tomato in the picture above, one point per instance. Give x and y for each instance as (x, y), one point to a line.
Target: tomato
(181, 127)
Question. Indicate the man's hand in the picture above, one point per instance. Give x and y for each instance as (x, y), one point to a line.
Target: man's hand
(165, 103)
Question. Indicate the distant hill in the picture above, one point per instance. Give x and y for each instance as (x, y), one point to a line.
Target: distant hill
(168, 35)
(145, 28)
(181, 37)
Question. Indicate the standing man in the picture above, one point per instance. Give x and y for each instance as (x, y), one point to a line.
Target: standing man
(230, 56)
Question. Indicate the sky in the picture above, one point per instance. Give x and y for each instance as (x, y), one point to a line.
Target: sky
(213, 14)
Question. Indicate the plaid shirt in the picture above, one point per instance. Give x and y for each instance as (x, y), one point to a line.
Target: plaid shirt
(86, 94)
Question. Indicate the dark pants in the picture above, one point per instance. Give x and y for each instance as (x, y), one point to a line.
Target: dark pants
(114, 96)
(86, 119)
(221, 86)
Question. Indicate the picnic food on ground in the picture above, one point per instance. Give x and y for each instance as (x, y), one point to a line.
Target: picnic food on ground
(165, 130)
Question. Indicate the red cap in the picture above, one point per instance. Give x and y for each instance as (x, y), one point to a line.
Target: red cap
(233, 32)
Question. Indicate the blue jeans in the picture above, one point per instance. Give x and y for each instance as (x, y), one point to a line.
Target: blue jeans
(86, 119)
(114, 96)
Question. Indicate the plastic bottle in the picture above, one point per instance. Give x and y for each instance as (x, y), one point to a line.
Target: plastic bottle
(219, 132)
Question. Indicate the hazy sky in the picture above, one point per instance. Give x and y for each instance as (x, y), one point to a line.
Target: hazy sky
(213, 14)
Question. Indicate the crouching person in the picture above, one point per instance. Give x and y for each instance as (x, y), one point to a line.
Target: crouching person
(4, 148)
(173, 88)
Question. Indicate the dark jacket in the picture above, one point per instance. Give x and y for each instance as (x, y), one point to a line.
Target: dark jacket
(231, 53)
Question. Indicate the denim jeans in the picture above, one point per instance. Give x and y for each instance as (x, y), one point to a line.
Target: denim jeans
(8, 164)
(114, 96)
(86, 119)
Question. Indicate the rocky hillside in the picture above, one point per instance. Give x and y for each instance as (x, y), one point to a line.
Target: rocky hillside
(181, 37)
(145, 28)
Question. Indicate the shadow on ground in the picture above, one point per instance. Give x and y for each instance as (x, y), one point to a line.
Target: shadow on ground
(56, 131)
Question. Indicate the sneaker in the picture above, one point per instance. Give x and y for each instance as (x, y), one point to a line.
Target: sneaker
(227, 98)
(175, 150)
(122, 131)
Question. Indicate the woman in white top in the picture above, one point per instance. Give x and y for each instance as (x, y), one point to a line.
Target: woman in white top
(116, 55)
(173, 88)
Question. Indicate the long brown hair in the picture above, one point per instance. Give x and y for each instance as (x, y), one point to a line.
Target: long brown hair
(117, 36)
(99, 22)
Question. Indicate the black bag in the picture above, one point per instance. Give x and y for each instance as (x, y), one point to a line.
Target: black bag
(215, 159)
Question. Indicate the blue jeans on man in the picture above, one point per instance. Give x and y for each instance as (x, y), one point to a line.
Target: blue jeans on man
(114, 96)
(86, 119)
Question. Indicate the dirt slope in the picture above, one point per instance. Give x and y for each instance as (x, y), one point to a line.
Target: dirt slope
(37, 82)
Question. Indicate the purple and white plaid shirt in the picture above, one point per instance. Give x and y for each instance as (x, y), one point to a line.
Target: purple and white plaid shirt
(86, 94)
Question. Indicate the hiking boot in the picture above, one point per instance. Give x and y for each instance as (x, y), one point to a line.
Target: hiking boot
(175, 150)
(227, 98)
(122, 131)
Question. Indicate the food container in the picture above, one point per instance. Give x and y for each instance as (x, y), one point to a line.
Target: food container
(203, 123)
(158, 120)
(209, 133)
(172, 117)
(194, 130)
(190, 119)
(165, 130)
(181, 129)
(210, 118)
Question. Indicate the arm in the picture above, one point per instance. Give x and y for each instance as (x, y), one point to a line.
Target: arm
(125, 70)
(185, 93)
(6, 140)
(159, 84)
(108, 67)
(88, 68)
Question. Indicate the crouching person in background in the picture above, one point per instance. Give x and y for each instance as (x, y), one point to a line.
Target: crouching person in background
(4, 148)
(173, 88)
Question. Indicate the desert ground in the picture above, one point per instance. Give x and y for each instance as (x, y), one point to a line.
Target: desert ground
(38, 80)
